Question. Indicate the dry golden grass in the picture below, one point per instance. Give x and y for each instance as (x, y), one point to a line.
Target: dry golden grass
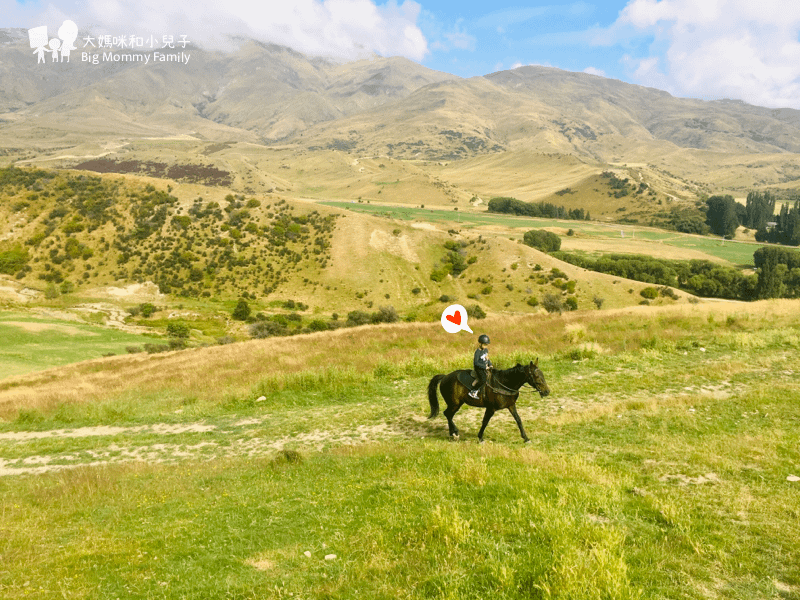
(217, 372)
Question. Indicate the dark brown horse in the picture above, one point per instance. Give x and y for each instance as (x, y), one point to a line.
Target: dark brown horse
(503, 393)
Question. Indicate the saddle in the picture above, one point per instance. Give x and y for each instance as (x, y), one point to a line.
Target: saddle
(470, 379)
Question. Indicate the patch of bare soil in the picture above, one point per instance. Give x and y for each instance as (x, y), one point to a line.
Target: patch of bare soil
(397, 245)
(136, 292)
(205, 174)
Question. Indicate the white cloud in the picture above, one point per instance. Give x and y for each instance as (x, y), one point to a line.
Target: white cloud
(344, 29)
(456, 38)
(502, 20)
(719, 48)
(593, 71)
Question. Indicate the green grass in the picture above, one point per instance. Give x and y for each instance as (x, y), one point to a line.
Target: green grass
(737, 253)
(49, 344)
(657, 470)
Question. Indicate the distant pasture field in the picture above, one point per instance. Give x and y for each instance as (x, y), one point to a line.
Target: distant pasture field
(664, 464)
(589, 235)
(32, 343)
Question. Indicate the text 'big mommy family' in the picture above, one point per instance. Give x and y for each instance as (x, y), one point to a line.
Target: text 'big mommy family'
(142, 57)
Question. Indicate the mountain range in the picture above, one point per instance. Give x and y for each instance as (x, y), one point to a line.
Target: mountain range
(273, 96)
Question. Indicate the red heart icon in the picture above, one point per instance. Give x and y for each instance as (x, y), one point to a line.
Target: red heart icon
(456, 318)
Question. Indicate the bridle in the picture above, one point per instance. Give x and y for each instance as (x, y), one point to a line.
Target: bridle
(512, 390)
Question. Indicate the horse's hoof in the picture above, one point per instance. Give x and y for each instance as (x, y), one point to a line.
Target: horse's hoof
(481, 441)
(527, 442)
(454, 437)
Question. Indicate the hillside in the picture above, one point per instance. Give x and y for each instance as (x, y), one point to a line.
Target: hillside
(74, 232)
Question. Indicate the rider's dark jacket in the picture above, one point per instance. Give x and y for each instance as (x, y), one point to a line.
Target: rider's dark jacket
(481, 360)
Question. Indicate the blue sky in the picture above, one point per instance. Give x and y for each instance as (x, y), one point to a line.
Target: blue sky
(741, 49)
(479, 37)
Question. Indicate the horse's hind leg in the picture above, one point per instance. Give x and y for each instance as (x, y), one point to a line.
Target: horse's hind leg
(513, 410)
(451, 410)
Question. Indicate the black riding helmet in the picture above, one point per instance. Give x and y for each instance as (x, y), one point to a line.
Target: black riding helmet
(484, 339)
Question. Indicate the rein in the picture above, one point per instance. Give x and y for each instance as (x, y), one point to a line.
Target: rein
(517, 391)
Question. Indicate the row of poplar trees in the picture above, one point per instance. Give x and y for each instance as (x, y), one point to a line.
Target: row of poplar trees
(724, 215)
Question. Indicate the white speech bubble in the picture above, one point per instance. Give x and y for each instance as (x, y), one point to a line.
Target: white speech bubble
(454, 319)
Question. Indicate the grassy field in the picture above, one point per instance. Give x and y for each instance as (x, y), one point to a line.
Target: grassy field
(595, 236)
(658, 466)
(33, 343)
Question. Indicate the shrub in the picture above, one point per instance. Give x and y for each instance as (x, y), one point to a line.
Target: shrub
(155, 348)
(385, 314)
(533, 301)
(475, 312)
(552, 303)
(668, 292)
(265, 329)
(438, 275)
(147, 309)
(357, 317)
(178, 330)
(12, 261)
(318, 325)
(650, 293)
(571, 303)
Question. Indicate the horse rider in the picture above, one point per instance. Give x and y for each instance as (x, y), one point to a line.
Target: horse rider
(481, 363)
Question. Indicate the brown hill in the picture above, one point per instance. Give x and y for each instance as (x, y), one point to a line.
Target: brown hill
(392, 107)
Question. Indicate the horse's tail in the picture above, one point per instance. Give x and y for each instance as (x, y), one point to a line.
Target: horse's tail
(433, 398)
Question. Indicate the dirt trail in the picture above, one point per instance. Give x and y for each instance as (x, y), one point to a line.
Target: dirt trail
(22, 452)
(244, 438)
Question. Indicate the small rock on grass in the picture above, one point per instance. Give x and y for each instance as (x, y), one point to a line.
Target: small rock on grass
(330, 557)
(793, 478)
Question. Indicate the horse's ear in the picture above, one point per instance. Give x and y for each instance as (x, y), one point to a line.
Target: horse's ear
(536, 364)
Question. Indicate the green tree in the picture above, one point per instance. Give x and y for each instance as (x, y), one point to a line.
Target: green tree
(721, 215)
(242, 310)
(546, 241)
(760, 209)
(777, 268)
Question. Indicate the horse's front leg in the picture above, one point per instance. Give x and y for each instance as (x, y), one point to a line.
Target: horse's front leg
(513, 410)
(486, 417)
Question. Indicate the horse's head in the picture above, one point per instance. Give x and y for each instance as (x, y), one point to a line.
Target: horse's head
(535, 377)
